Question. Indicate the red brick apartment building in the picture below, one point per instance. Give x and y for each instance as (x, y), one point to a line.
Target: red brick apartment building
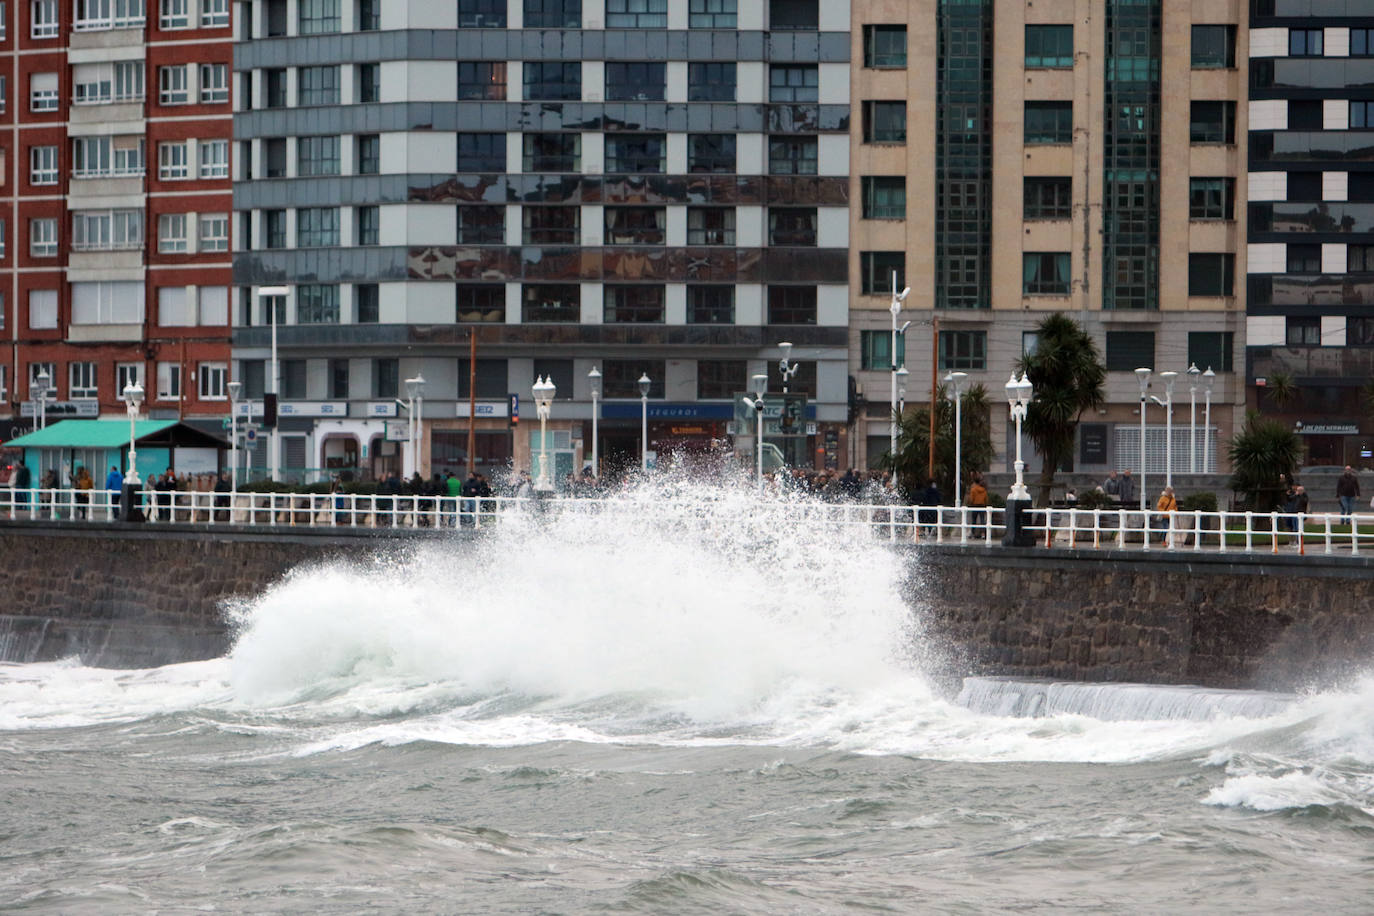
(115, 195)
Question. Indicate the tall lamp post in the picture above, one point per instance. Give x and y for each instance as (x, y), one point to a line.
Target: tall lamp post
(1193, 373)
(901, 391)
(1143, 375)
(1019, 395)
(415, 397)
(543, 391)
(644, 385)
(40, 387)
(786, 368)
(235, 388)
(133, 400)
(955, 382)
(269, 295)
(1168, 378)
(1209, 378)
(895, 308)
(595, 378)
(756, 405)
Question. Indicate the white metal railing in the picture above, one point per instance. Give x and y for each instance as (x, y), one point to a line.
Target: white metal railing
(1103, 529)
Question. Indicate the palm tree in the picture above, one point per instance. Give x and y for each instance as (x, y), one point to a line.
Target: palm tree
(913, 442)
(1281, 389)
(1068, 376)
(1260, 452)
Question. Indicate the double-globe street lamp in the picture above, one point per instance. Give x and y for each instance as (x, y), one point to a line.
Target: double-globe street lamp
(1168, 377)
(756, 404)
(595, 378)
(1203, 380)
(544, 392)
(1019, 396)
(415, 405)
(42, 384)
(235, 388)
(895, 308)
(644, 385)
(954, 383)
(268, 296)
(133, 400)
(1143, 376)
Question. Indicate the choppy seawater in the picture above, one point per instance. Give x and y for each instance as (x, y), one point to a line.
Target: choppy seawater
(685, 713)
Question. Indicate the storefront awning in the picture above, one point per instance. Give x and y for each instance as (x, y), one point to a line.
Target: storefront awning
(115, 434)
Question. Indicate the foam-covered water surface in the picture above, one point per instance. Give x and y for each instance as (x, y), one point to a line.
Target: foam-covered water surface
(687, 702)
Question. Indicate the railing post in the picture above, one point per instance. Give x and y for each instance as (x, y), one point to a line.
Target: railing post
(1329, 548)
(1274, 531)
(1249, 531)
(1145, 530)
(1197, 530)
(1354, 535)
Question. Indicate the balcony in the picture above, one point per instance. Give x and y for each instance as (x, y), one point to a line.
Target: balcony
(1332, 365)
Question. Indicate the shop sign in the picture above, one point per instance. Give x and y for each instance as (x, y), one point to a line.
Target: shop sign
(61, 409)
(312, 409)
(484, 409)
(381, 408)
(1330, 429)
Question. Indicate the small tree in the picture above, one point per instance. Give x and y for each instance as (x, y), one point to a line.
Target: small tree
(1068, 376)
(913, 442)
(1281, 389)
(1260, 452)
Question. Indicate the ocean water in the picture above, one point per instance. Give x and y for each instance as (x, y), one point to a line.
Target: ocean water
(693, 705)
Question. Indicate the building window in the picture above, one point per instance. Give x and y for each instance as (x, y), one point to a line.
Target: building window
(43, 19)
(386, 377)
(633, 305)
(317, 86)
(1049, 122)
(172, 164)
(173, 88)
(1305, 42)
(1210, 350)
(480, 225)
(212, 378)
(1211, 198)
(551, 152)
(794, 83)
(43, 237)
(481, 14)
(1361, 114)
(274, 228)
(1045, 273)
(876, 270)
(1128, 350)
(274, 157)
(711, 153)
(791, 305)
(1214, 47)
(1303, 331)
(792, 226)
(481, 80)
(1047, 198)
(42, 165)
(711, 82)
(635, 225)
(721, 379)
(710, 304)
(620, 377)
(1049, 47)
(481, 152)
(214, 14)
(369, 154)
(43, 92)
(884, 122)
(713, 14)
(1361, 42)
(710, 225)
(168, 381)
(274, 87)
(553, 81)
(636, 153)
(171, 233)
(1304, 259)
(551, 225)
(338, 379)
(317, 227)
(885, 46)
(1359, 259)
(214, 232)
(875, 350)
(214, 83)
(553, 14)
(127, 374)
(82, 380)
(93, 84)
(317, 156)
(794, 15)
(966, 350)
(43, 316)
(1212, 122)
(317, 303)
(318, 17)
(548, 302)
(634, 82)
(884, 196)
(107, 230)
(1211, 274)
(175, 14)
(367, 80)
(792, 155)
(367, 302)
(636, 14)
(481, 302)
(214, 158)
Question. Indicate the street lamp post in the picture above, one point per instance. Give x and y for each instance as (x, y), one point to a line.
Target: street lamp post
(1168, 378)
(41, 381)
(955, 382)
(133, 399)
(786, 368)
(895, 308)
(595, 377)
(644, 385)
(415, 397)
(1208, 380)
(268, 296)
(1019, 395)
(544, 391)
(1193, 373)
(234, 389)
(1143, 375)
(756, 405)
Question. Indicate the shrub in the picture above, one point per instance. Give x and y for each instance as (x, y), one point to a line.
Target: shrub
(1199, 502)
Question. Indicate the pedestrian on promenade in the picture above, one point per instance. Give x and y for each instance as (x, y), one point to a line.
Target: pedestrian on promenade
(1112, 486)
(977, 501)
(1127, 493)
(1347, 491)
(1167, 505)
(84, 485)
(114, 483)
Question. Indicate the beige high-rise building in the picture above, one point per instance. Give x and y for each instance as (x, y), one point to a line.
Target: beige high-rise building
(1012, 159)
